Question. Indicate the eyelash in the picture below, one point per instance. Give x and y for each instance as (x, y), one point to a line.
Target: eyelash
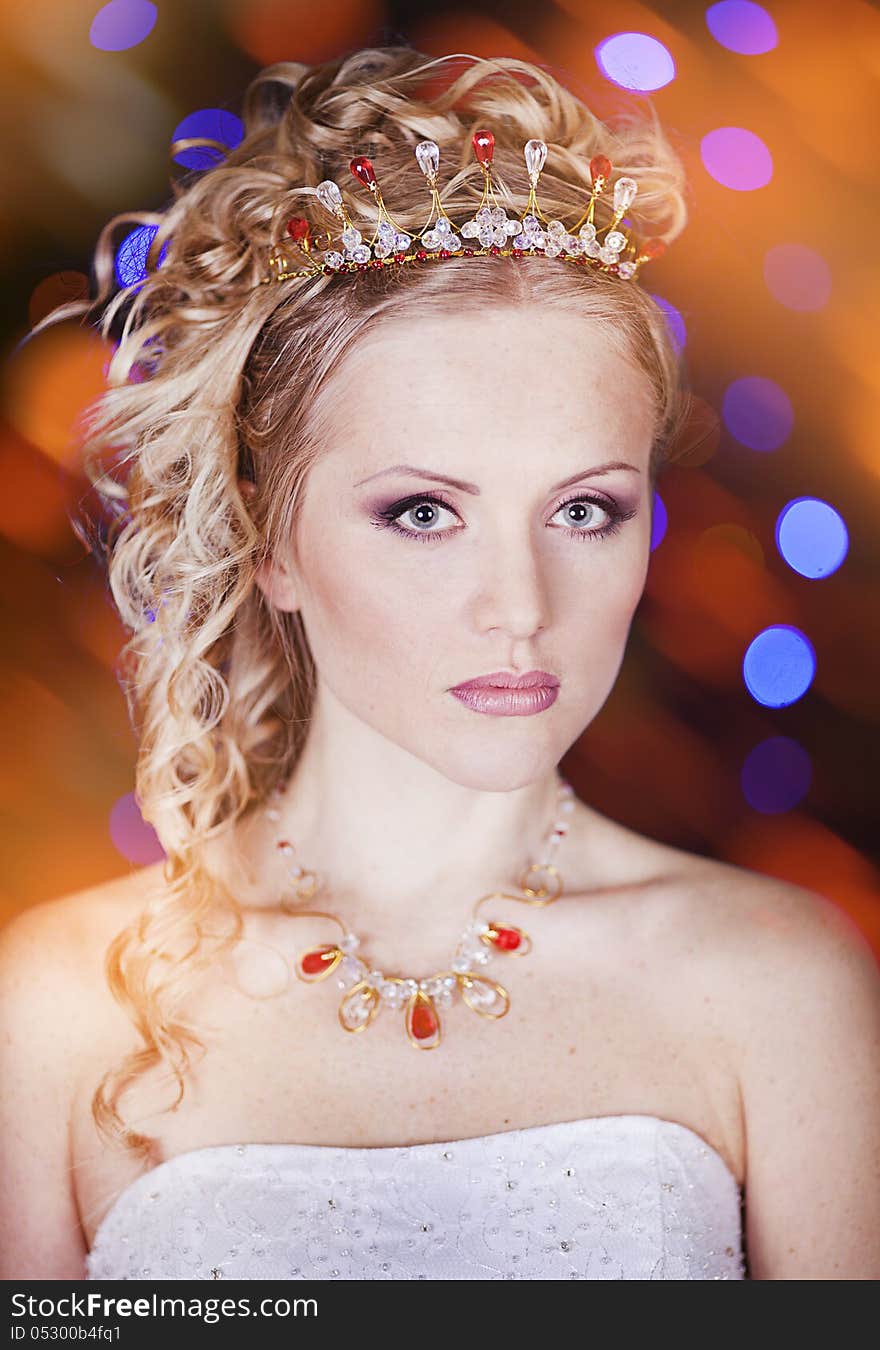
(387, 519)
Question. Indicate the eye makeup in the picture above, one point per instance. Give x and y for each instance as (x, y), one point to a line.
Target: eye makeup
(388, 517)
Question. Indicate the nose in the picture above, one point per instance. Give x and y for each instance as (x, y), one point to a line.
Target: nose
(513, 593)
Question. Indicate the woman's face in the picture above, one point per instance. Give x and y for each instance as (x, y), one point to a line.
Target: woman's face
(409, 585)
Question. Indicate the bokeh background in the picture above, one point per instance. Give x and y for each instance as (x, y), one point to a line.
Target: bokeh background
(744, 724)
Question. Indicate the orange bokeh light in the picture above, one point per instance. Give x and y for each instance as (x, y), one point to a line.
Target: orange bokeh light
(49, 382)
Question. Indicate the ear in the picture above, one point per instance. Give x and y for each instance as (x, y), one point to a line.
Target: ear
(278, 584)
(274, 579)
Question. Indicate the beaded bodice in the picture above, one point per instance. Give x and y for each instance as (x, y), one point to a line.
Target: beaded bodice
(630, 1197)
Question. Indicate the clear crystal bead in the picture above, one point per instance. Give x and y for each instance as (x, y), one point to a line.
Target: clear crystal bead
(607, 255)
(626, 269)
(328, 195)
(453, 243)
(349, 972)
(402, 242)
(334, 259)
(499, 236)
(556, 227)
(349, 942)
(511, 227)
(587, 232)
(443, 226)
(486, 235)
(470, 229)
(360, 254)
(522, 241)
(530, 223)
(351, 237)
(615, 241)
(385, 232)
(461, 964)
(431, 239)
(428, 155)
(625, 190)
(553, 248)
(484, 216)
(381, 250)
(411, 987)
(535, 153)
(592, 248)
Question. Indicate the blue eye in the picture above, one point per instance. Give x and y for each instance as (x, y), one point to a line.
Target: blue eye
(390, 517)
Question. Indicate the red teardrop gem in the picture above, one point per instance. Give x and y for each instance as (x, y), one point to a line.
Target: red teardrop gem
(314, 962)
(424, 1022)
(298, 228)
(600, 167)
(484, 146)
(508, 939)
(362, 169)
(653, 248)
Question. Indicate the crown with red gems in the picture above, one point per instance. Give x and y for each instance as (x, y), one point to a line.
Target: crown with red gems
(489, 230)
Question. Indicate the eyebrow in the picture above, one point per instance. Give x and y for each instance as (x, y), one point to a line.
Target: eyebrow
(595, 472)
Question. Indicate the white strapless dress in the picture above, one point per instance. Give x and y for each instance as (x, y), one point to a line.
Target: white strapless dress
(629, 1197)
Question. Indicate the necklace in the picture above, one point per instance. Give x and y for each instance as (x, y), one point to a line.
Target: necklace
(367, 989)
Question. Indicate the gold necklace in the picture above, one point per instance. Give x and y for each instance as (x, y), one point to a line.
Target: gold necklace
(367, 989)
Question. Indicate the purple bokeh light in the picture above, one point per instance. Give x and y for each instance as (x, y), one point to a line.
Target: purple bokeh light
(757, 412)
(742, 27)
(122, 24)
(797, 276)
(776, 775)
(736, 158)
(132, 836)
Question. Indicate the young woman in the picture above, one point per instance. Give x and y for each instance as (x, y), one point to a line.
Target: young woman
(387, 518)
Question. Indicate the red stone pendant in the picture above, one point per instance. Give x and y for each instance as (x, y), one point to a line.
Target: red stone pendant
(319, 961)
(484, 146)
(362, 169)
(506, 938)
(600, 167)
(298, 229)
(422, 1022)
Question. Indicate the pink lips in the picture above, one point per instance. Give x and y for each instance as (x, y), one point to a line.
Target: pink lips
(504, 695)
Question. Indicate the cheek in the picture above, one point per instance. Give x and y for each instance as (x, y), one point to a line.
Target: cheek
(358, 617)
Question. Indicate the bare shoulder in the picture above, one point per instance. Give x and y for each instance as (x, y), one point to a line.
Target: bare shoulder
(54, 1007)
(801, 994)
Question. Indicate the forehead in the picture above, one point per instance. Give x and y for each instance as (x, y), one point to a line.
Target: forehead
(493, 376)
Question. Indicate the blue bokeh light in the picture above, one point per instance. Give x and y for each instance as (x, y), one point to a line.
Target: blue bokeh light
(674, 320)
(659, 522)
(736, 158)
(776, 775)
(742, 27)
(757, 412)
(812, 537)
(779, 666)
(215, 123)
(122, 24)
(635, 61)
(131, 255)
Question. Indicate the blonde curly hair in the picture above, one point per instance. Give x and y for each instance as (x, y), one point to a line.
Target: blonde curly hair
(218, 379)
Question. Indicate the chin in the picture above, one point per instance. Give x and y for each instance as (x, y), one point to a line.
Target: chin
(497, 769)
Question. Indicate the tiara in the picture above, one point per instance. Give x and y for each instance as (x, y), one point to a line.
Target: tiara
(489, 231)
